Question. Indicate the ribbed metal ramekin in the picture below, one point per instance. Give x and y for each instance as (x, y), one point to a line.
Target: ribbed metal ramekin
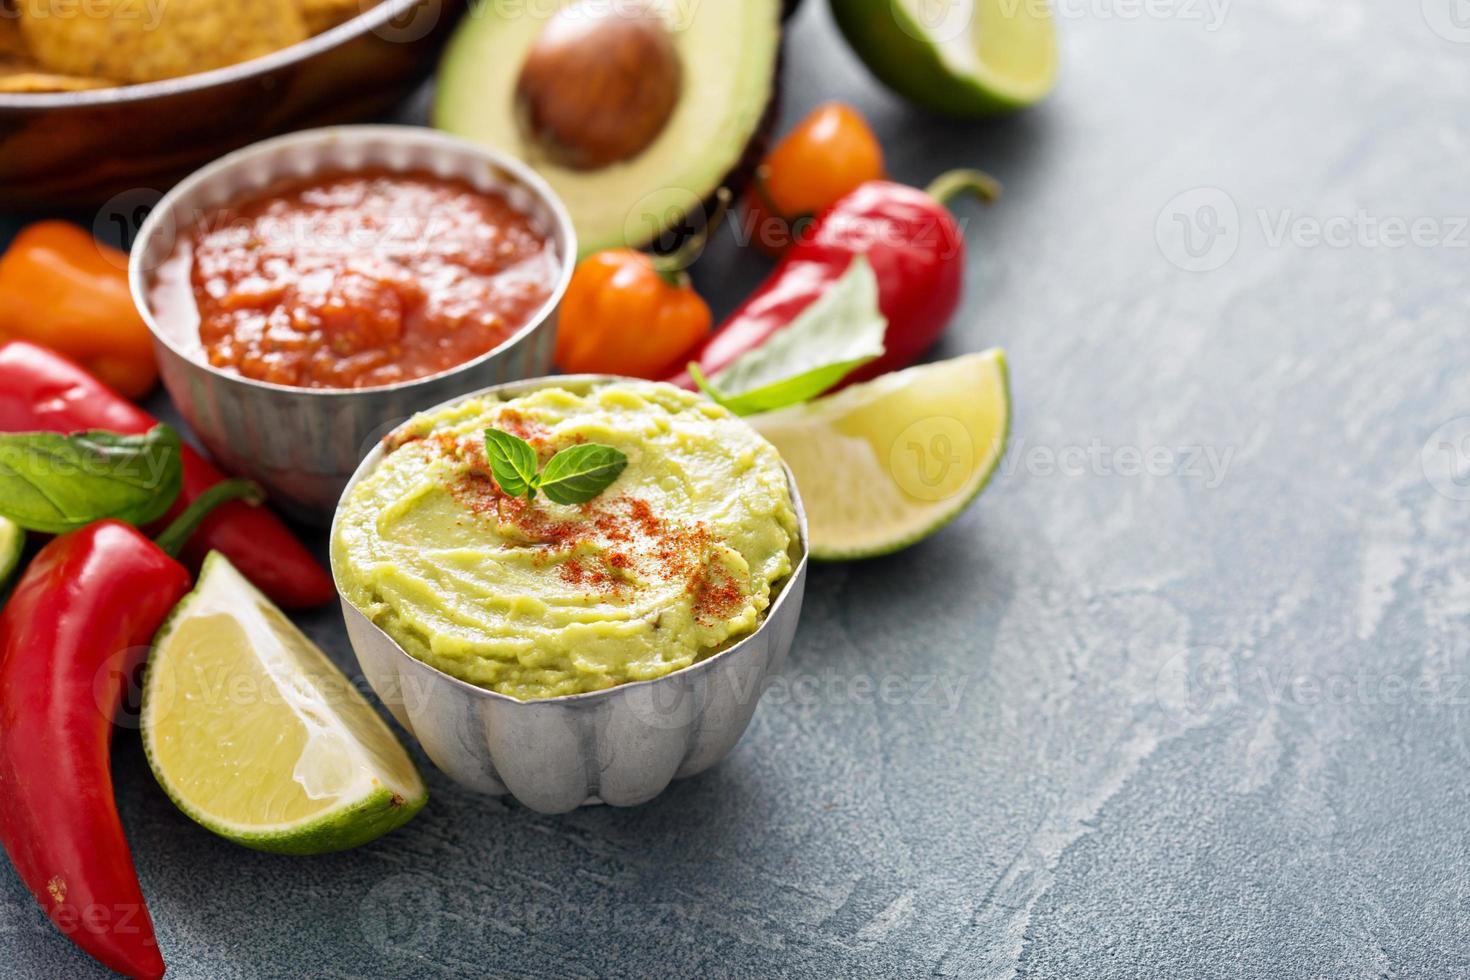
(302, 444)
(621, 746)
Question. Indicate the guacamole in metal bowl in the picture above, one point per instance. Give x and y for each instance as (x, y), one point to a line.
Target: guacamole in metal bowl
(679, 557)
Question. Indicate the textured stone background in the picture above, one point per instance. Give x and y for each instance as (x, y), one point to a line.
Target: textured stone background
(1200, 651)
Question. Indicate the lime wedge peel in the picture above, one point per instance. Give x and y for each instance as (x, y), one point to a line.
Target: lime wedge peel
(961, 57)
(258, 737)
(885, 464)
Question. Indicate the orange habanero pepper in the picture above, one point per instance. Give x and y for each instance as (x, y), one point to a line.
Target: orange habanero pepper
(62, 288)
(626, 312)
(828, 155)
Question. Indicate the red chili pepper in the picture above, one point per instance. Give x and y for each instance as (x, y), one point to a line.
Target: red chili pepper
(73, 631)
(42, 391)
(917, 252)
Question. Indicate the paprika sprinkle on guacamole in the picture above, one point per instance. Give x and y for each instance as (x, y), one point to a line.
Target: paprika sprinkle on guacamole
(606, 546)
(355, 280)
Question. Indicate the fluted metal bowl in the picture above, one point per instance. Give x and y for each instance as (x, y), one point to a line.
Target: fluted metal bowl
(302, 444)
(621, 746)
(74, 149)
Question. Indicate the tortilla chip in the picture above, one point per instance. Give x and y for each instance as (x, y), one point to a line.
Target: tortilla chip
(323, 15)
(19, 73)
(145, 40)
(34, 81)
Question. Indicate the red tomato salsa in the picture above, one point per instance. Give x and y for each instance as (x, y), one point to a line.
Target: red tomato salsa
(354, 280)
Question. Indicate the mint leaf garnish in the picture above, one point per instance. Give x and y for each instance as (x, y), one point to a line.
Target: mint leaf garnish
(512, 463)
(577, 474)
(573, 476)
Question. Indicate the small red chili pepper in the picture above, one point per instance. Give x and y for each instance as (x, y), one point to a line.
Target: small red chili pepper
(73, 631)
(42, 391)
(917, 252)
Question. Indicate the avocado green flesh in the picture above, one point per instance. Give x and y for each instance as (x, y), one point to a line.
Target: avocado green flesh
(538, 600)
(969, 58)
(728, 51)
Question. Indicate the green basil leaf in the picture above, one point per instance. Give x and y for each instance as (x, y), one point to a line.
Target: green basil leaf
(577, 474)
(512, 463)
(834, 336)
(55, 483)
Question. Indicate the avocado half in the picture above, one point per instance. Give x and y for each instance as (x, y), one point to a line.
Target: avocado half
(729, 52)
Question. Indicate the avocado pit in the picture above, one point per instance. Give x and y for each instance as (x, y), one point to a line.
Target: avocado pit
(599, 84)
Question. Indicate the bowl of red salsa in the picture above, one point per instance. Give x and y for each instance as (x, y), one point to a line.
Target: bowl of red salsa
(307, 293)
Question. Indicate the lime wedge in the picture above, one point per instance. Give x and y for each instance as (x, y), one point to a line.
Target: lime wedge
(257, 736)
(12, 543)
(961, 57)
(884, 464)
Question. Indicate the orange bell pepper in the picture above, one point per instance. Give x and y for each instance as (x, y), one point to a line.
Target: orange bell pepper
(828, 155)
(626, 313)
(62, 288)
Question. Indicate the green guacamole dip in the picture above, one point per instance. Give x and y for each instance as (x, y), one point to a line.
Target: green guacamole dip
(680, 556)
